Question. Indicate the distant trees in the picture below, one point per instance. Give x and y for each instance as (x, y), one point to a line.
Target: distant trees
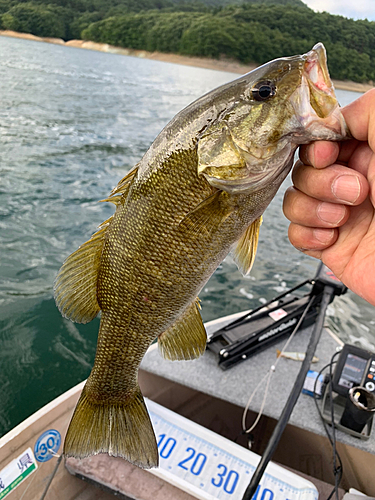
(40, 20)
(248, 31)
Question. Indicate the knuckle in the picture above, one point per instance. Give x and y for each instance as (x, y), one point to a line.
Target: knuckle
(290, 207)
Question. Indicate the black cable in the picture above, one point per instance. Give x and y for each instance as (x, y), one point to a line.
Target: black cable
(293, 396)
(316, 400)
(247, 316)
(337, 471)
(52, 477)
(334, 450)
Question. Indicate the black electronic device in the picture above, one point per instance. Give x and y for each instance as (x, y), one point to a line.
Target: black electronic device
(355, 367)
(269, 322)
(350, 395)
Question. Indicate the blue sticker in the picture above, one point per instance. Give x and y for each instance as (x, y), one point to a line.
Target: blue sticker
(47, 445)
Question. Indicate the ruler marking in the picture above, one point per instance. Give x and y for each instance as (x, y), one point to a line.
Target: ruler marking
(223, 473)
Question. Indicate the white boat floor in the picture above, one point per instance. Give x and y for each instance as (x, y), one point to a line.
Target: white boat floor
(205, 396)
(101, 473)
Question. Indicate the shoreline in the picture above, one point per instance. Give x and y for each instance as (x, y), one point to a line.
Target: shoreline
(200, 62)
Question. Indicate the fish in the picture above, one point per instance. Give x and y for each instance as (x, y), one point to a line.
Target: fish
(197, 194)
(295, 356)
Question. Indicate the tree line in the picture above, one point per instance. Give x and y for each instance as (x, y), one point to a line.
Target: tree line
(250, 31)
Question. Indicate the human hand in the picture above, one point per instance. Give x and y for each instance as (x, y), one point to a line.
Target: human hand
(332, 203)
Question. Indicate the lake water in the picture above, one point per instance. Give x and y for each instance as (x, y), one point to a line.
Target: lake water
(72, 122)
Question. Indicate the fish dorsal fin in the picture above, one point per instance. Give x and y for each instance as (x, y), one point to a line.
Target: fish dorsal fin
(246, 247)
(120, 192)
(75, 284)
(186, 338)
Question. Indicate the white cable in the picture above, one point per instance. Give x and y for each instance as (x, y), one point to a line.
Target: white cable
(268, 376)
(31, 482)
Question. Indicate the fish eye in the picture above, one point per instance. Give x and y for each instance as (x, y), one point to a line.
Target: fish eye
(263, 91)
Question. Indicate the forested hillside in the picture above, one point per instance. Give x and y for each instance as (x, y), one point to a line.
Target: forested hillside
(248, 31)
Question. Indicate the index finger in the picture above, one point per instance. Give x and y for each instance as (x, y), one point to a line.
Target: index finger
(319, 154)
(360, 118)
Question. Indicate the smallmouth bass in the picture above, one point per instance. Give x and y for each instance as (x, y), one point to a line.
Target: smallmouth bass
(198, 192)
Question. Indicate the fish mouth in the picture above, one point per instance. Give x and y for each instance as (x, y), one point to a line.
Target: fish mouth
(315, 102)
(317, 71)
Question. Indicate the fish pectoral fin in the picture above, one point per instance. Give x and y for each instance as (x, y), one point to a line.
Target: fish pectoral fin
(207, 216)
(186, 338)
(120, 428)
(75, 284)
(120, 192)
(246, 247)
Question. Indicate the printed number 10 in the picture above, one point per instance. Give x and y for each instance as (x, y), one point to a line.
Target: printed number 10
(167, 448)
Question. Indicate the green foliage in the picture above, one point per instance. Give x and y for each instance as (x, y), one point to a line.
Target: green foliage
(245, 30)
(210, 36)
(4, 6)
(166, 33)
(124, 31)
(297, 3)
(82, 22)
(40, 20)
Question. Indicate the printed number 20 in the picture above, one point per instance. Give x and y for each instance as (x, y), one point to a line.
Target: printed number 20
(198, 464)
(229, 482)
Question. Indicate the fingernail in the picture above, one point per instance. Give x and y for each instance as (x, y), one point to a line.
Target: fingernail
(346, 188)
(307, 154)
(324, 235)
(328, 212)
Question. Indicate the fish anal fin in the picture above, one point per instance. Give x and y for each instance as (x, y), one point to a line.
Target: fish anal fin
(120, 428)
(186, 338)
(246, 247)
(75, 284)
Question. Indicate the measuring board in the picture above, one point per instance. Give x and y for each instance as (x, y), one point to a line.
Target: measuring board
(209, 466)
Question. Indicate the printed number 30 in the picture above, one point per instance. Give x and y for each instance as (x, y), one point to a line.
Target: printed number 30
(229, 482)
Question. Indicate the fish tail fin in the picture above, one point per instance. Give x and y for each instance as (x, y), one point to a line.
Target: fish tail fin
(121, 429)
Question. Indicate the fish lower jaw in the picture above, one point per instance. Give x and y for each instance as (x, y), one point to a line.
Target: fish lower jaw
(331, 128)
(325, 122)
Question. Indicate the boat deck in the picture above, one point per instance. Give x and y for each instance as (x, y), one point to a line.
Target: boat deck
(235, 385)
(202, 392)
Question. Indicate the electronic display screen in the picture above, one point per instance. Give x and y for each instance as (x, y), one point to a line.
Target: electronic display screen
(352, 371)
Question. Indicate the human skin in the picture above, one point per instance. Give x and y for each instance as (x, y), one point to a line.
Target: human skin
(331, 205)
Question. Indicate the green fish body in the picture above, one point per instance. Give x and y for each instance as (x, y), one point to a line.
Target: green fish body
(198, 193)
